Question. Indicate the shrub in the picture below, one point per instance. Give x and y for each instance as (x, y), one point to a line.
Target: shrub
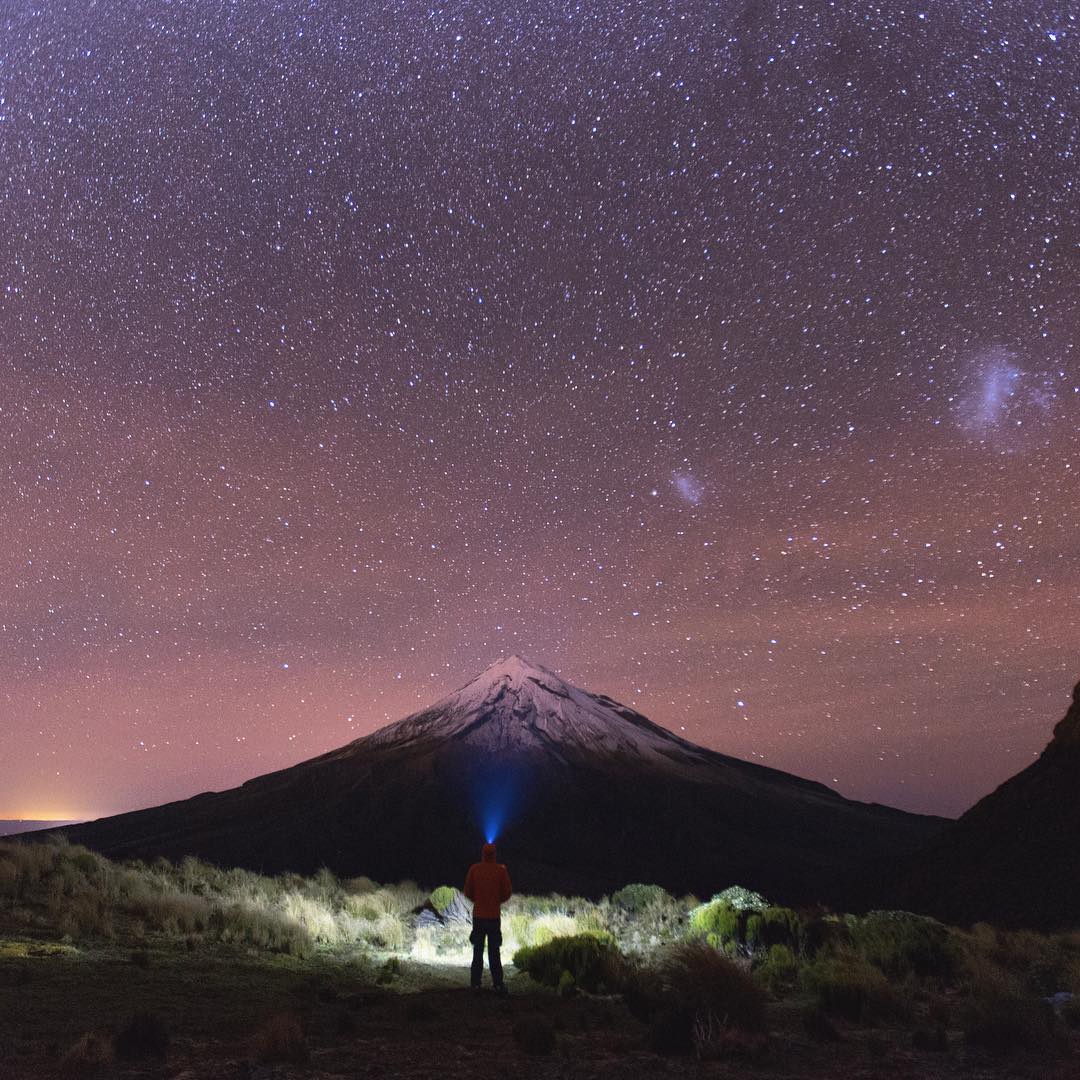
(704, 982)
(692, 998)
(718, 921)
(567, 985)
(534, 1033)
(144, 1035)
(822, 932)
(592, 960)
(360, 886)
(281, 1038)
(1047, 963)
(781, 926)
(634, 899)
(741, 899)
(846, 985)
(999, 1014)
(442, 897)
(900, 943)
(780, 967)
(86, 862)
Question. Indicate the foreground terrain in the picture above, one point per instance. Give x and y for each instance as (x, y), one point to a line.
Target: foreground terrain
(190, 971)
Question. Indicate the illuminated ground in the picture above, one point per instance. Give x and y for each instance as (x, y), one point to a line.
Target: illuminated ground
(420, 1022)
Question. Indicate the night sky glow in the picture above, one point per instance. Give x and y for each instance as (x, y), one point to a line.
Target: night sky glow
(719, 356)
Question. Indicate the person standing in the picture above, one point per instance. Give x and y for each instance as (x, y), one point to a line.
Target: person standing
(487, 885)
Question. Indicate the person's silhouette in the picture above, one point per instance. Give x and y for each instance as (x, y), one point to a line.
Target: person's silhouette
(487, 885)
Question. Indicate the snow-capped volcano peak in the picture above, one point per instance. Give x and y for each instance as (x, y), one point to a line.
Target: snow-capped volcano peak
(518, 705)
(514, 673)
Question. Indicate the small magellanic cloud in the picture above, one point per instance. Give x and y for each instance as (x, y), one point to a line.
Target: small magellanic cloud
(689, 488)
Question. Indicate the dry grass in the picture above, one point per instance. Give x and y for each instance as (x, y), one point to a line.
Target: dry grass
(84, 895)
(707, 983)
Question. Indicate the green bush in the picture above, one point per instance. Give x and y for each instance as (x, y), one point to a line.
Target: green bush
(780, 967)
(781, 926)
(755, 931)
(741, 899)
(86, 862)
(900, 943)
(442, 897)
(824, 931)
(636, 898)
(717, 921)
(592, 960)
(846, 985)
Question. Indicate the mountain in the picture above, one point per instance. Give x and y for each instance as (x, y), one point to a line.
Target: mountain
(1012, 858)
(583, 794)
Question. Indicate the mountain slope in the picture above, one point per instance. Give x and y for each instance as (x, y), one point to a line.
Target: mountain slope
(1012, 858)
(585, 794)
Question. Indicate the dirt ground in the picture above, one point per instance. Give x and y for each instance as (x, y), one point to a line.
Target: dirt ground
(361, 1018)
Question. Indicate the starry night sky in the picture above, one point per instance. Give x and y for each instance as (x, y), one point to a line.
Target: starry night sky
(720, 356)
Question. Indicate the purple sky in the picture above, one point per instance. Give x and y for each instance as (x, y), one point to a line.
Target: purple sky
(719, 357)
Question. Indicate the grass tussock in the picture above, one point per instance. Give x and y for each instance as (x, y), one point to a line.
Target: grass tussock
(696, 999)
(85, 896)
(706, 983)
(846, 985)
(586, 961)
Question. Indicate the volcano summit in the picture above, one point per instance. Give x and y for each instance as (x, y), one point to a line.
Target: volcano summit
(583, 794)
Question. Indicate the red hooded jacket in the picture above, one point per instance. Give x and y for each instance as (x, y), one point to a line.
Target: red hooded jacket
(487, 885)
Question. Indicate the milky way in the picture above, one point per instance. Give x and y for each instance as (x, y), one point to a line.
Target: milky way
(721, 357)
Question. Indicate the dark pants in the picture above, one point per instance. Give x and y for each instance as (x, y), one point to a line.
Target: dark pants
(491, 929)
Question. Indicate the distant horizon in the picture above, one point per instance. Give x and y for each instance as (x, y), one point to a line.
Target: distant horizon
(34, 824)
